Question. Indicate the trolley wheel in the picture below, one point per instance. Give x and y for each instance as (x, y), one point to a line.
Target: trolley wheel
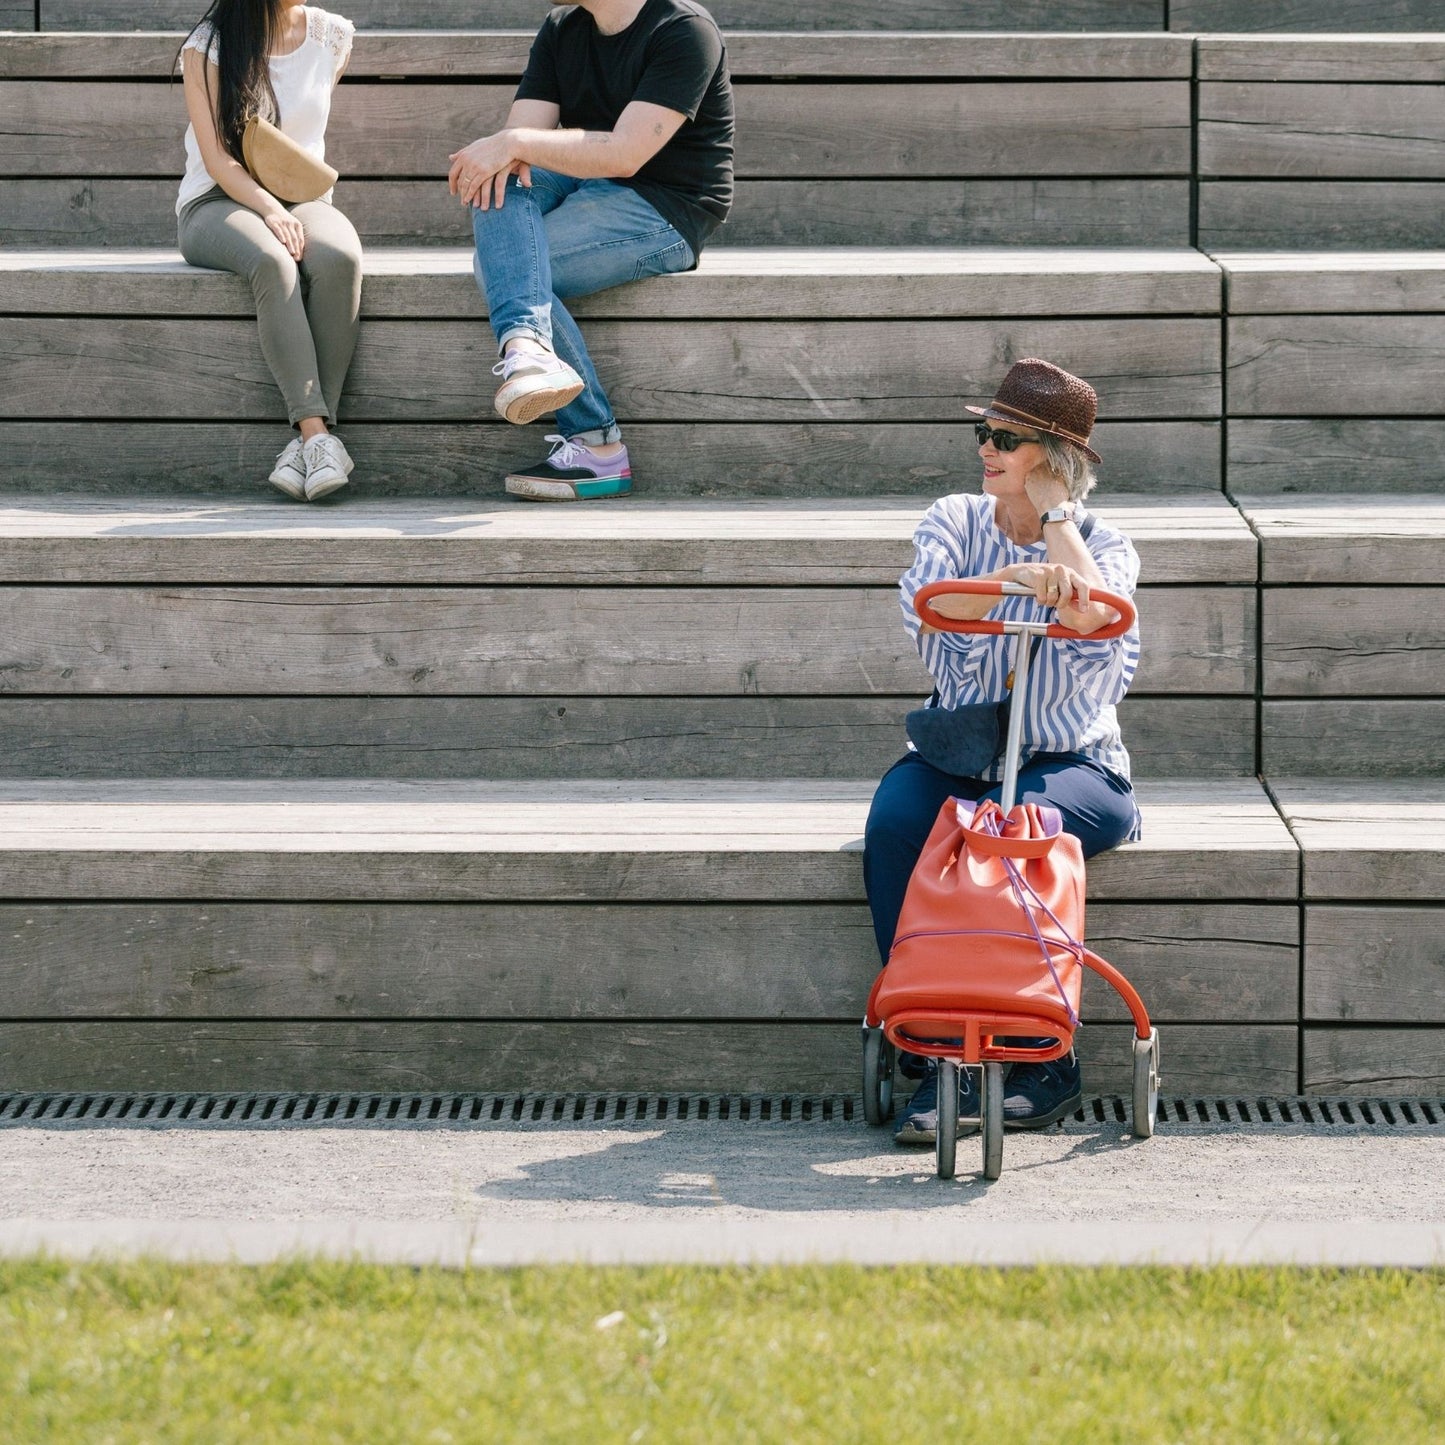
(946, 1145)
(992, 1110)
(1146, 1084)
(877, 1077)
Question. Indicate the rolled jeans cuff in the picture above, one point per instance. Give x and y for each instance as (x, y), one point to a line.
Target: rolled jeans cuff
(600, 437)
(530, 332)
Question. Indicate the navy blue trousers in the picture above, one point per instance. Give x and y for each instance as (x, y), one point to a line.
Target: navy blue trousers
(1097, 807)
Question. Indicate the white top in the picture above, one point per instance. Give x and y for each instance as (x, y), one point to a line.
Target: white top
(303, 82)
(1073, 685)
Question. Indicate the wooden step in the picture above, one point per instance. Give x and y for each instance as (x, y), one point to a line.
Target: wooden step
(1322, 141)
(1362, 16)
(640, 542)
(1374, 876)
(726, 942)
(1361, 540)
(763, 283)
(930, 159)
(466, 461)
(824, 15)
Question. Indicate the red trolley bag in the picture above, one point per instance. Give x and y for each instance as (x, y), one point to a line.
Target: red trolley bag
(989, 941)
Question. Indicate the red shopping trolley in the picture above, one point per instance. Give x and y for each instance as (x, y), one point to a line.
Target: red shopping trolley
(989, 943)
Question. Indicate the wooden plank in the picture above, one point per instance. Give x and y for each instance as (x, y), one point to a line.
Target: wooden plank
(736, 14)
(648, 542)
(164, 1057)
(1386, 1063)
(1361, 131)
(828, 459)
(514, 738)
(1367, 737)
(17, 15)
(1323, 365)
(577, 841)
(1381, 839)
(476, 53)
(1332, 455)
(1414, 59)
(1363, 16)
(1063, 128)
(536, 641)
(1333, 281)
(799, 371)
(839, 211)
(1364, 641)
(734, 283)
(1311, 214)
(1355, 538)
(1374, 965)
(769, 962)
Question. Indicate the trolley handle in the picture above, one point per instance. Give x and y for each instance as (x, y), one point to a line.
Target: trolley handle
(977, 587)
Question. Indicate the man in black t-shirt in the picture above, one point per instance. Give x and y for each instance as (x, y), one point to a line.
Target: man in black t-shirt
(616, 163)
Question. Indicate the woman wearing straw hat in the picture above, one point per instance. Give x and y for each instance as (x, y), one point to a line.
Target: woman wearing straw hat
(1028, 525)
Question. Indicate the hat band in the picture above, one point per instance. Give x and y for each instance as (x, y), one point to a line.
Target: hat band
(1052, 427)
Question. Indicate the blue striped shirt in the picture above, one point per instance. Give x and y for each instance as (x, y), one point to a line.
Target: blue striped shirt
(1073, 685)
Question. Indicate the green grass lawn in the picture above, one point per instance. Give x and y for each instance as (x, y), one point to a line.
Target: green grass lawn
(320, 1352)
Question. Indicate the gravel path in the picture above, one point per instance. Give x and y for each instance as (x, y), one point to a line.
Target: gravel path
(718, 1192)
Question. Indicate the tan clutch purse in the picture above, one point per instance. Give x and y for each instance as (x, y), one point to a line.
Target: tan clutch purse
(281, 166)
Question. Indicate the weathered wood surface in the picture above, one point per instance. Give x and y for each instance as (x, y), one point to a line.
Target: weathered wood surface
(1323, 365)
(1374, 965)
(1414, 59)
(1352, 214)
(1360, 16)
(1333, 455)
(478, 53)
(1329, 282)
(1377, 839)
(735, 14)
(838, 211)
(1366, 737)
(1377, 1062)
(1328, 641)
(547, 641)
(578, 841)
(831, 459)
(1063, 128)
(1195, 963)
(1360, 131)
(648, 542)
(164, 1057)
(17, 15)
(1356, 538)
(412, 371)
(733, 283)
(513, 738)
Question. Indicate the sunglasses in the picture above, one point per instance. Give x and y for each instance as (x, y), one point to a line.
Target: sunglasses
(1005, 441)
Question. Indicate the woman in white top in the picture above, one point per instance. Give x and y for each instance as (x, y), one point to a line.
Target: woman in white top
(281, 60)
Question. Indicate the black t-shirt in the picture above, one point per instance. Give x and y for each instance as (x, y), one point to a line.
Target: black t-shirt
(672, 55)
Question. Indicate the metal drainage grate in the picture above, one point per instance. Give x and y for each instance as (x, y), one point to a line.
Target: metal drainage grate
(251, 1111)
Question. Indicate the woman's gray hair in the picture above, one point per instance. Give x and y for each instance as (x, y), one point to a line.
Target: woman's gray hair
(1069, 465)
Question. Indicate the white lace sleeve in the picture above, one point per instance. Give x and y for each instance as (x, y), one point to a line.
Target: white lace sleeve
(336, 33)
(205, 40)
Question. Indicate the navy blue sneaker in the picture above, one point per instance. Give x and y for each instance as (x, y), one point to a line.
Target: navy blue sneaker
(1036, 1095)
(919, 1122)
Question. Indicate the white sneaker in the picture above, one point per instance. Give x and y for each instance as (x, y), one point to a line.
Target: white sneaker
(290, 471)
(533, 383)
(327, 465)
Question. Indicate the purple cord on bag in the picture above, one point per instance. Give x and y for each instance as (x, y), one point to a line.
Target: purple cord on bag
(1020, 885)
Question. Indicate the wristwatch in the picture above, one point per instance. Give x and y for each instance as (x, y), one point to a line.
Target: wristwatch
(1062, 513)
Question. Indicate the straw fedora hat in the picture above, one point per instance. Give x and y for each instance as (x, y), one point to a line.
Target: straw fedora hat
(1046, 397)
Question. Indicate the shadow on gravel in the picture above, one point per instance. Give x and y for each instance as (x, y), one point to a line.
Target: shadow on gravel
(742, 1169)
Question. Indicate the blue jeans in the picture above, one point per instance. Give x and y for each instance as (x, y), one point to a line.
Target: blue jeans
(560, 238)
(1097, 807)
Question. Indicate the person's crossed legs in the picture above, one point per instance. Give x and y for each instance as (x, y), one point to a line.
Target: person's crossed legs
(553, 240)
